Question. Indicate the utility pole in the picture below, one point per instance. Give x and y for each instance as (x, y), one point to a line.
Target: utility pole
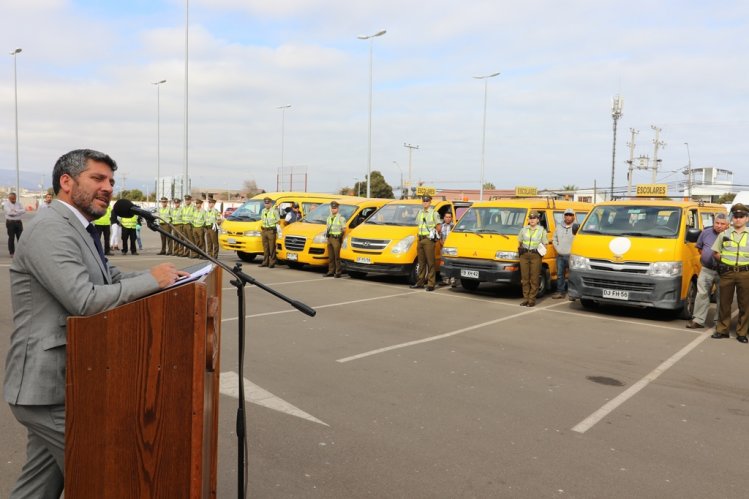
(617, 103)
(689, 172)
(631, 160)
(410, 151)
(656, 144)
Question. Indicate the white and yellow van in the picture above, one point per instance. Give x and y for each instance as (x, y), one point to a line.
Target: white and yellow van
(240, 231)
(304, 242)
(483, 246)
(640, 252)
(386, 242)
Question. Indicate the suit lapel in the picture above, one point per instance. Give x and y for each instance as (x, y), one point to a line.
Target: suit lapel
(76, 226)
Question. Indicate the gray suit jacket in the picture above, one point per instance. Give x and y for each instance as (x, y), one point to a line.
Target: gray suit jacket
(56, 273)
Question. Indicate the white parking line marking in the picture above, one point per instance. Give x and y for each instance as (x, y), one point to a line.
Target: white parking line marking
(637, 323)
(630, 392)
(318, 307)
(229, 385)
(444, 335)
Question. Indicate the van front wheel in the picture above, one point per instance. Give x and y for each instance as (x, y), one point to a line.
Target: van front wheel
(246, 257)
(687, 308)
(543, 283)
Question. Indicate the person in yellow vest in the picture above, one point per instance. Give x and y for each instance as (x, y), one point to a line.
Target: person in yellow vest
(128, 233)
(530, 238)
(103, 226)
(268, 220)
(165, 214)
(731, 251)
(336, 227)
(428, 223)
(178, 223)
(188, 210)
(198, 233)
(212, 221)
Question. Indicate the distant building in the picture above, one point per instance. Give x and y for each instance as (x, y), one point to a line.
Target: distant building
(708, 184)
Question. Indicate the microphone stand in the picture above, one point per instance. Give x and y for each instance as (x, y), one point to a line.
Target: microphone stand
(240, 281)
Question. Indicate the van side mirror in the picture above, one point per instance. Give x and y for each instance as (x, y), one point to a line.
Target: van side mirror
(575, 228)
(693, 234)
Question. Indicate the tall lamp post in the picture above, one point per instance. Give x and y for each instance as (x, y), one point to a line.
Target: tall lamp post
(15, 95)
(283, 129)
(410, 153)
(617, 103)
(185, 180)
(483, 132)
(369, 143)
(158, 133)
(689, 172)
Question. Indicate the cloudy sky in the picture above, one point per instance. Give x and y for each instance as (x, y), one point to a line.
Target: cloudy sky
(86, 69)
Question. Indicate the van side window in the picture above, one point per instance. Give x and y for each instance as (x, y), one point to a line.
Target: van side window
(708, 219)
(362, 216)
(692, 219)
(542, 220)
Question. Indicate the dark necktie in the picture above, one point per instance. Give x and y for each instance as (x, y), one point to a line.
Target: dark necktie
(95, 236)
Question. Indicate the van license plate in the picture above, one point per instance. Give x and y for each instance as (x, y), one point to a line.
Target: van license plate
(616, 294)
(292, 257)
(231, 240)
(473, 274)
(363, 259)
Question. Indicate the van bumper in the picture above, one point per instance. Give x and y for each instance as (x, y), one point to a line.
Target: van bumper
(481, 270)
(642, 290)
(377, 268)
(245, 244)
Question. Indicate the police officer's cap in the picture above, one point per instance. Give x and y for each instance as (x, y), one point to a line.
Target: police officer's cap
(198, 201)
(739, 209)
(211, 201)
(267, 200)
(426, 198)
(177, 200)
(187, 196)
(534, 214)
(334, 204)
(164, 199)
(569, 211)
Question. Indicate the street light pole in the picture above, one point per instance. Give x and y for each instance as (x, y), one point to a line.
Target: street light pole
(283, 128)
(158, 133)
(410, 151)
(616, 112)
(369, 142)
(483, 133)
(689, 172)
(185, 180)
(15, 95)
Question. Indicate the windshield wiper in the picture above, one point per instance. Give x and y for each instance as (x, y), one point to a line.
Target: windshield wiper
(636, 234)
(591, 231)
(492, 231)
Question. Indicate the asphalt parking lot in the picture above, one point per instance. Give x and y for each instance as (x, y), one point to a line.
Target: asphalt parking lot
(394, 392)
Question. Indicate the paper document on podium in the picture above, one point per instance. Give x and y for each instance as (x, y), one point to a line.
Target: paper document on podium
(196, 272)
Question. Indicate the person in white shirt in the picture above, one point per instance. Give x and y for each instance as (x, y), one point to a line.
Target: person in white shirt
(13, 212)
(47, 201)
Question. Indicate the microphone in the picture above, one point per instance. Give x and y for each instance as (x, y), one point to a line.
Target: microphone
(125, 208)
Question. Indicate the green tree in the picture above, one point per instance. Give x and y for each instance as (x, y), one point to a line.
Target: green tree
(379, 187)
(726, 198)
(570, 187)
(489, 185)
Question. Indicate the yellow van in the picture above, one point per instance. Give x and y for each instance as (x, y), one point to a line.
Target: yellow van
(240, 231)
(304, 242)
(386, 242)
(640, 252)
(483, 246)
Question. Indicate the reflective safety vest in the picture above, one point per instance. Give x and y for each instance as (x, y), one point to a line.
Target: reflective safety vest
(211, 217)
(106, 219)
(166, 214)
(427, 220)
(198, 218)
(269, 218)
(177, 216)
(335, 225)
(130, 222)
(735, 248)
(188, 211)
(531, 238)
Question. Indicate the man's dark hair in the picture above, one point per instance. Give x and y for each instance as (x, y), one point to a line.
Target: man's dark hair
(75, 162)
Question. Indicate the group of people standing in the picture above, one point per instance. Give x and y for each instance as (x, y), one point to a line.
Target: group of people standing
(192, 222)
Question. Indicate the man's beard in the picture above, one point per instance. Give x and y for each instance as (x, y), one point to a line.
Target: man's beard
(85, 203)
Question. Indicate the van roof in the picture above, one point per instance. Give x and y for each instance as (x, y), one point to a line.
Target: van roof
(660, 202)
(536, 203)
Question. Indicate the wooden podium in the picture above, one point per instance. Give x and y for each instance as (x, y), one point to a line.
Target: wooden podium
(142, 396)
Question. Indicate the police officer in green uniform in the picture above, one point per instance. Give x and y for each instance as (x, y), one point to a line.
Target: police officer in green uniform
(428, 223)
(178, 224)
(731, 250)
(103, 226)
(128, 233)
(198, 233)
(212, 219)
(335, 229)
(530, 238)
(268, 220)
(188, 210)
(165, 214)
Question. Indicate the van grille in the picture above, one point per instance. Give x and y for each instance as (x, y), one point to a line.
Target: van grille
(642, 287)
(294, 243)
(627, 267)
(369, 244)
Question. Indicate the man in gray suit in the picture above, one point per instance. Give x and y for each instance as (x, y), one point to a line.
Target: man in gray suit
(60, 270)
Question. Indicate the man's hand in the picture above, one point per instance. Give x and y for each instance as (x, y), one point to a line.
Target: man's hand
(166, 274)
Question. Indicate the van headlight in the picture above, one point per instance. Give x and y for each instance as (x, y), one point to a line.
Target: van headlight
(506, 255)
(344, 244)
(252, 233)
(320, 238)
(665, 269)
(403, 245)
(449, 251)
(279, 233)
(578, 262)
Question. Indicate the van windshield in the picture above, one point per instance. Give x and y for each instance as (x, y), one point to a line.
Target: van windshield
(634, 221)
(395, 214)
(320, 214)
(494, 220)
(248, 212)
